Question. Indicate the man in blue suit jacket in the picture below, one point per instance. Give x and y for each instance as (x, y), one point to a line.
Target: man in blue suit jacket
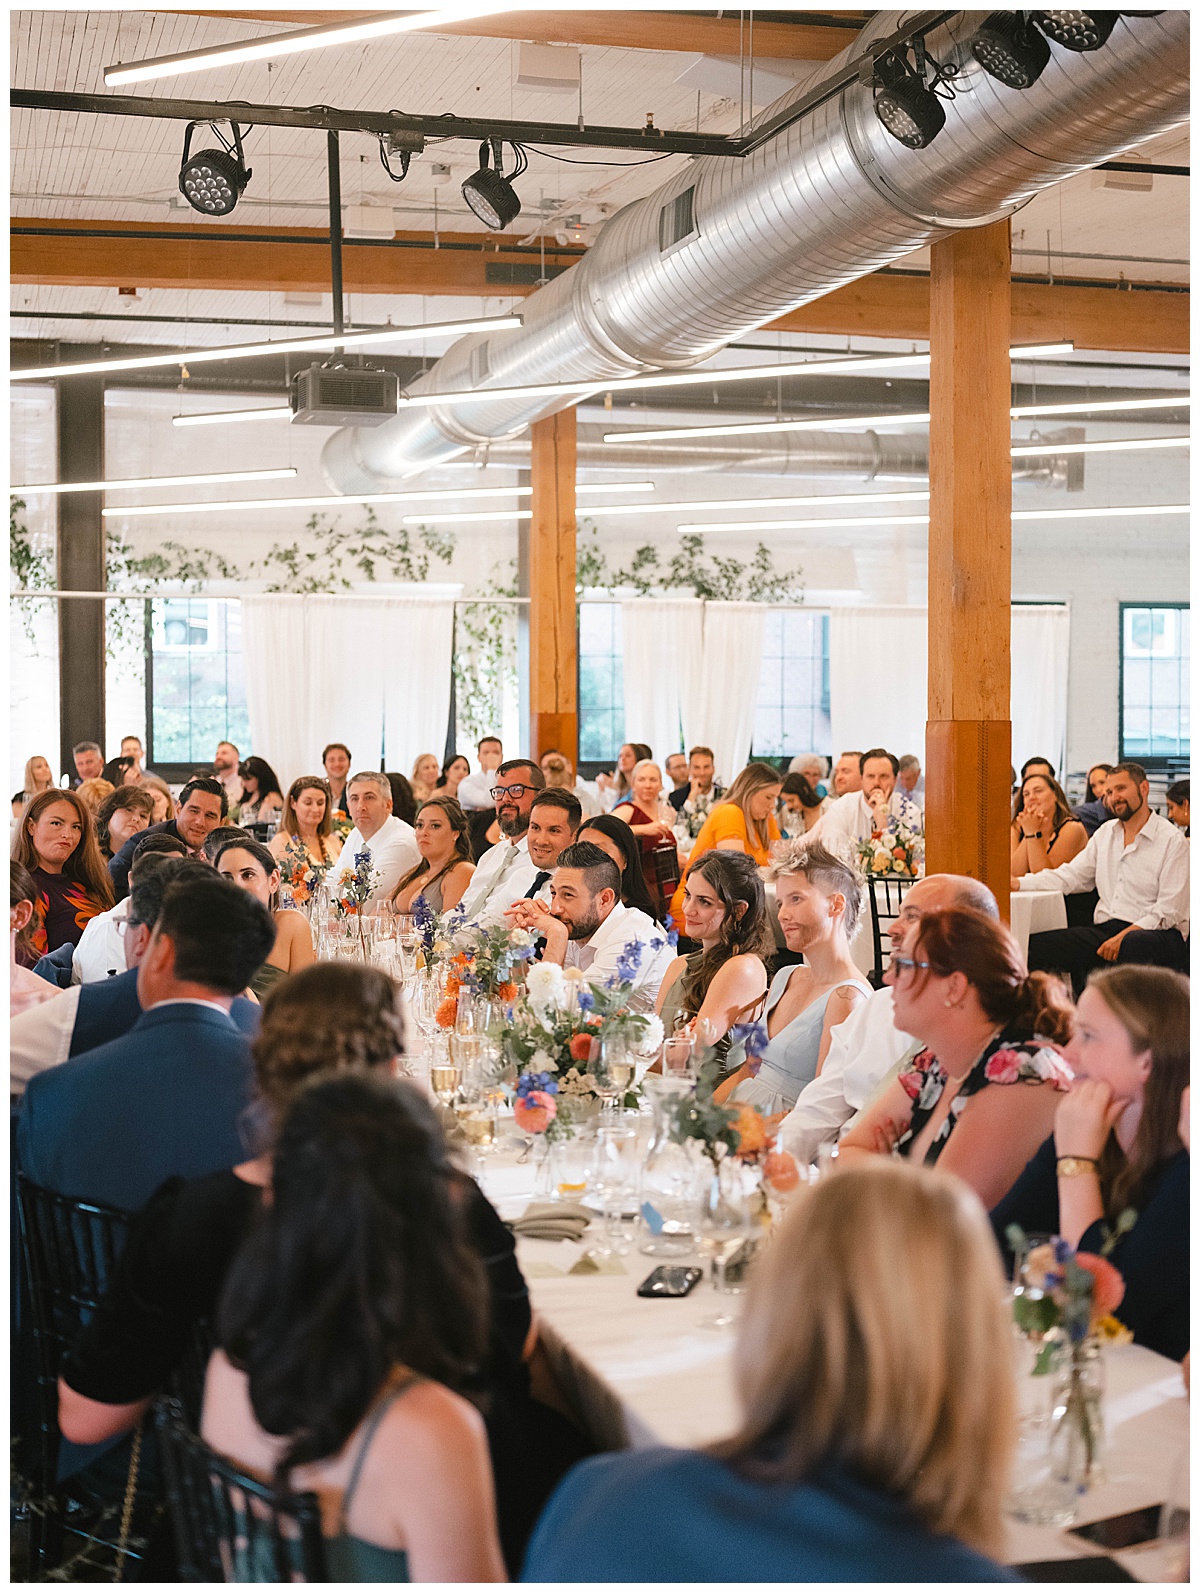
(168, 1098)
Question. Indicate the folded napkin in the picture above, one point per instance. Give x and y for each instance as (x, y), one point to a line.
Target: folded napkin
(557, 1219)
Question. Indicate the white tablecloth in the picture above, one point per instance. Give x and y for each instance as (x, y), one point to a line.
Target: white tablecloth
(1031, 912)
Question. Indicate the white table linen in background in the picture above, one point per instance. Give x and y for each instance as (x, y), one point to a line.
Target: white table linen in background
(1033, 912)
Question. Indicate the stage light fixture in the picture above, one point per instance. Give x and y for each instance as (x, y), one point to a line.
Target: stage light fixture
(909, 107)
(488, 192)
(213, 180)
(1010, 49)
(1077, 30)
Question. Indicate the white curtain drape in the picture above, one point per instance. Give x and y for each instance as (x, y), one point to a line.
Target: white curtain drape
(662, 644)
(733, 647)
(328, 668)
(878, 679)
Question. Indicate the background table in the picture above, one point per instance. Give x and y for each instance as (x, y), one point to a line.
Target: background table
(1031, 912)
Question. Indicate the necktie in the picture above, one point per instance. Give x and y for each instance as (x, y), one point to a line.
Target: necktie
(539, 880)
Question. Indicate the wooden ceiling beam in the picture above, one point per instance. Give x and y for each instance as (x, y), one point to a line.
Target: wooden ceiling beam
(624, 30)
(295, 260)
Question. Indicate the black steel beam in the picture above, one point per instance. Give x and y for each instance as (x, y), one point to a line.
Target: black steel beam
(81, 566)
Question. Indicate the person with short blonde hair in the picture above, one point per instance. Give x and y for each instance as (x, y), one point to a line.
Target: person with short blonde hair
(308, 822)
(93, 792)
(874, 1372)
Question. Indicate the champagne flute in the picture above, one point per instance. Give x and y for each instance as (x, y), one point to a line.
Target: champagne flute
(445, 1074)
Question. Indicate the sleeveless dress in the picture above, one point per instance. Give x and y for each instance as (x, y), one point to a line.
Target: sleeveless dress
(351, 1559)
(725, 1057)
(789, 1060)
(267, 977)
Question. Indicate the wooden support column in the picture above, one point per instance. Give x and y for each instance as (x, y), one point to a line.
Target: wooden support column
(553, 646)
(81, 566)
(969, 735)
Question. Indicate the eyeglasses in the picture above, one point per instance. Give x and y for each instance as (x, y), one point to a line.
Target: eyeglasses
(905, 965)
(517, 791)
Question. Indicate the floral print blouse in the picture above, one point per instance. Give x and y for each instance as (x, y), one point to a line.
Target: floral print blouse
(1006, 1060)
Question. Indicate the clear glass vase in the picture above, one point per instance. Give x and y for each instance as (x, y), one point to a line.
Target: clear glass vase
(1077, 1439)
(669, 1188)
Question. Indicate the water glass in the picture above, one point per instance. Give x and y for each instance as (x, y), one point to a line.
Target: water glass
(676, 1055)
(571, 1164)
(615, 1181)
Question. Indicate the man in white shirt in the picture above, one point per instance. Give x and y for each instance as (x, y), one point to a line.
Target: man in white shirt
(390, 843)
(226, 762)
(860, 814)
(506, 870)
(1138, 864)
(847, 774)
(868, 1047)
(475, 791)
(910, 779)
(588, 927)
(554, 821)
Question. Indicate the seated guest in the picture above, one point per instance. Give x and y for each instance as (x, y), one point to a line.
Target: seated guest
(220, 838)
(1179, 805)
(226, 761)
(1092, 812)
(560, 776)
(553, 825)
(1116, 1147)
(85, 1016)
(506, 870)
(878, 1414)
(814, 768)
(644, 810)
(588, 927)
(93, 792)
(868, 1047)
(981, 1096)
(701, 791)
(908, 778)
(743, 821)
(89, 761)
(445, 868)
(1139, 865)
(860, 814)
(336, 761)
(615, 837)
(475, 791)
(261, 798)
(615, 787)
(333, 1018)
(202, 807)
(102, 948)
(249, 866)
(168, 1097)
(25, 987)
(56, 842)
(1044, 832)
(347, 1329)
(128, 811)
(802, 807)
(160, 794)
(307, 824)
(452, 776)
(124, 770)
(387, 840)
(820, 897)
(1036, 766)
(675, 766)
(724, 982)
(847, 774)
(39, 777)
(404, 803)
(426, 772)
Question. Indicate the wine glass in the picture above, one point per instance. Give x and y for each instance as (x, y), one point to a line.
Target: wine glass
(615, 1180)
(423, 1003)
(676, 1053)
(616, 1070)
(724, 1227)
(445, 1074)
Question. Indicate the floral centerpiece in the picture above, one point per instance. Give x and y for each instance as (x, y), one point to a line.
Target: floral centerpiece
(695, 810)
(353, 892)
(897, 850)
(484, 957)
(299, 873)
(739, 1131)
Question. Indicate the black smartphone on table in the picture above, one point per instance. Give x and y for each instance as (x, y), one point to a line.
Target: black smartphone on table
(1126, 1531)
(669, 1283)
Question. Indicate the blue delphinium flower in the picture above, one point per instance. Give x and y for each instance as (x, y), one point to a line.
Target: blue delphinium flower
(629, 962)
(754, 1034)
(586, 1000)
(672, 933)
(425, 922)
(536, 1081)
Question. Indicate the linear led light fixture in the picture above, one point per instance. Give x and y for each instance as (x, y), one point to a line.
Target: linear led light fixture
(705, 378)
(902, 496)
(336, 500)
(59, 487)
(277, 44)
(1101, 407)
(245, 351)
(1132, 511)
(1120, 446)
(219, 417)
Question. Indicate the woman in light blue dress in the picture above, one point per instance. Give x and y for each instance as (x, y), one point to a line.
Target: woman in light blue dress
(820, 897)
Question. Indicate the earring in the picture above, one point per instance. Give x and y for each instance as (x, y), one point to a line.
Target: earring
(948, 1002)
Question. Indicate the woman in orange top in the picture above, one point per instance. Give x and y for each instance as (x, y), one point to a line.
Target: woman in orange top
(743, 822)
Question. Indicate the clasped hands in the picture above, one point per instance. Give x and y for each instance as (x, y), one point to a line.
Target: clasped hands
(531, 914)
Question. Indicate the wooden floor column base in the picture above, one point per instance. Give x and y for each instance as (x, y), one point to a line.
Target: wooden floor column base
(966, 811)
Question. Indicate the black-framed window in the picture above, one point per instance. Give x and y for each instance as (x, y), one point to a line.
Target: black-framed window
(601, 684)
(195, 682)
(792, 712)
(1155, 698)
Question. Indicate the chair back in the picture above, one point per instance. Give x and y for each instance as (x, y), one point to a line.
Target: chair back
(229, 1527)
(886, 893)
(661, 868)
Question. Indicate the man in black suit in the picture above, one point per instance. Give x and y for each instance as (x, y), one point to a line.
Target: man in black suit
(169, 1097)
(202, 806)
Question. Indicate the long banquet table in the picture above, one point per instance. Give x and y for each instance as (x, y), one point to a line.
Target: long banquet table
(642, 1372)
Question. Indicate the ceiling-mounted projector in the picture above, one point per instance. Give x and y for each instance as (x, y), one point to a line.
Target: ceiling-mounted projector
(344, 395)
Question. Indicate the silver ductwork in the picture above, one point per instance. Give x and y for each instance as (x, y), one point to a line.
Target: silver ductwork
(830, 199)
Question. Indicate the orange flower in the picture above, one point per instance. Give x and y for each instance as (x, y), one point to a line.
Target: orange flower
(752, 1135)
(447, 1012)
(1108, 1286)
(535, 1114)
(507, 991)
(898, 851)
(780, 1171)
(581, 1047)
(453, 986)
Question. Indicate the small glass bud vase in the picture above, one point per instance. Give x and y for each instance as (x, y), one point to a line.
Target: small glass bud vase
(1077, 1439)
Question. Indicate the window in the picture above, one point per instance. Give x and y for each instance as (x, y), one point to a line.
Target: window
(195, 688)
(792, 714)
(1155, 699)
(601, 683)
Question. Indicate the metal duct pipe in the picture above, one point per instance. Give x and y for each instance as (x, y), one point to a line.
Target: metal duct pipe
(830, 199)
(854, 456)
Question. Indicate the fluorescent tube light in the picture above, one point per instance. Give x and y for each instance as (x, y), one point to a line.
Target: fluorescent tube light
(1121, 445)
(219, 417)
(244, 351)
(1132, 511)
(337, 501)
(1102, 406)
(59, 487)
(741, 429)
(274, 45)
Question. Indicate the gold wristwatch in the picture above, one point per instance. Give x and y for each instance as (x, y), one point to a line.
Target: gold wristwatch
(1073, 1166)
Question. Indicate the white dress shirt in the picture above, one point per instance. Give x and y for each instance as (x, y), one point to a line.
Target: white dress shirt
(1144, 884)
(862, 1051)
(850, 819)
(393, 850)
(40, 1038)
(475, 791)
(598, 956)
(101, 949)
(504, 874)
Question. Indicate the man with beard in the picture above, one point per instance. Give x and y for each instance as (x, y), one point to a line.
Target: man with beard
(506, 870)
(588, 927)
(1138, 863)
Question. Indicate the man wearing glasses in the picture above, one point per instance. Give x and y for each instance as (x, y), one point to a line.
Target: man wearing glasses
(506, 871)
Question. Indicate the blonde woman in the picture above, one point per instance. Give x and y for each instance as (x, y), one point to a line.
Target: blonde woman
(743, 821)
(93, 792)
(426, 773)
(160, 791)
(39, 777)
(308, 822)
(649, 817)
(874, 1372)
